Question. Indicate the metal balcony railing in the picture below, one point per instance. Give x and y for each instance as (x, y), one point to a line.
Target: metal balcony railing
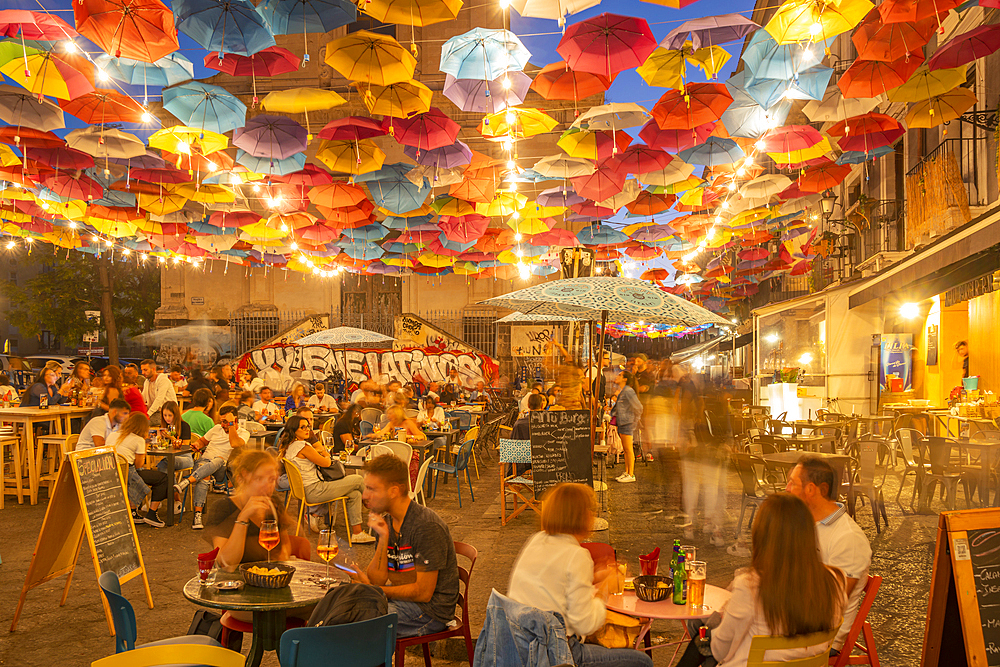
(972, 155)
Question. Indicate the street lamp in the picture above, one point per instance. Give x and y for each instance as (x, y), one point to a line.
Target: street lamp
(827, 202)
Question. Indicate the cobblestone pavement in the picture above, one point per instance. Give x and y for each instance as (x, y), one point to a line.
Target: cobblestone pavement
(642, 515)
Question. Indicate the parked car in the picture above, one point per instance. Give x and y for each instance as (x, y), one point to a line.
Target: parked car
(39, 360)
(18, 370)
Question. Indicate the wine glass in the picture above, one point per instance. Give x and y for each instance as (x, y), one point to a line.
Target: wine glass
(327, 548)
(269, 537)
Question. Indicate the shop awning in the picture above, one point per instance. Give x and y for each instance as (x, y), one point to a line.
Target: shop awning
(725, 343)
(965, 254)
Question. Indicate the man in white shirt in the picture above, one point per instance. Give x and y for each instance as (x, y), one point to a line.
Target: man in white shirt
(216, 446)
(842, 543)
(95, 433)
(322, 401)
(265, 407)
(157, 391)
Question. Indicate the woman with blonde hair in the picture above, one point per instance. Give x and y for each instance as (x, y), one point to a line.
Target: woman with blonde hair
(396, 418)
(554, 573)
(296, 398)
(129, 442)
(786, 591)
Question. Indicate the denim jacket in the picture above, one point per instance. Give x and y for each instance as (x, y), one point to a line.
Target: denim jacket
(516, 634)
(627, 408)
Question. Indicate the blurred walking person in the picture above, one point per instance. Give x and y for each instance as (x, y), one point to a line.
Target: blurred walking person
(626, 415)
(701, 472)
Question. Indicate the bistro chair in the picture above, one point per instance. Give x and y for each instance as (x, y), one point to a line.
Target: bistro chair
(175, 654)
(868, 653)
(935, 452)
(513, 485)
(601, 553)
(906, 438)
(371, 415)
(54, 448)
(752, 496)
(462, 627)
(417, 492)
(461, 464)
(871, 478)
(298, 491)
(126, 632)
(368, 643)
(366, 428)
(12, 480)
(761, 644)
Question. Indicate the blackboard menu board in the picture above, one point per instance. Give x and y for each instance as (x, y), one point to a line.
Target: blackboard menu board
(108, 513)
(984, 548)
(560, 447)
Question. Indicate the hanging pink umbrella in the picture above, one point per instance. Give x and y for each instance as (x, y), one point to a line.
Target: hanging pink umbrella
(352, 128)
(602, 184)
(674, 140)
(557, 237)
(607, 44)
(272, 61)
(790, 138)
(963, 49)
(425, 131)
(640, 159)
(311, 175)
(464, 228)
(752, 254)
(72, 187)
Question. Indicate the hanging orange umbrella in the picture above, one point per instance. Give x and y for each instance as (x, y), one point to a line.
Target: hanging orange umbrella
(104, 106)
(648, 203)
(820, 178)
(696, 104)
(558, 82)
(869, 78)
(336, 194)
(138, 29)
(895, 11)
(875, 40)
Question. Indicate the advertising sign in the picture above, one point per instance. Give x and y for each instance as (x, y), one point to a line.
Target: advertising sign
(896, 367)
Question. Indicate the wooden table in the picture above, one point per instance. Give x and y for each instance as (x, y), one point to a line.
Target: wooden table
(627, 603)
(170, 455)
(27, 418)
(268, 605)
(840, 462)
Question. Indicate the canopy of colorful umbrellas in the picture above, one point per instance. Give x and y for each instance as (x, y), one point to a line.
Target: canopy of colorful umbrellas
(717, 182)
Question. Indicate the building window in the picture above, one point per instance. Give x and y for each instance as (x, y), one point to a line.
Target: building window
(48, 341)
(12, 277)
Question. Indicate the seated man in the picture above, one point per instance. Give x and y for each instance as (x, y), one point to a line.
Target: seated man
(480, 395)
(322, 401)
(216, 446)
(842, 543)
(97, 430)
(414, 563)
(266, 408)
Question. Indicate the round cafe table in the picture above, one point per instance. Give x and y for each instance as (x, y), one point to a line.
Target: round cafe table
(627, 603)
(268, 605)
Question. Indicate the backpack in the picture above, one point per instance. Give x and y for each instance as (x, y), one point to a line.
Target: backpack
(349, 603)
(209, 623)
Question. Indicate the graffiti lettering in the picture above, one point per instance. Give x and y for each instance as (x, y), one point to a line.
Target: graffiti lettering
(540, 336)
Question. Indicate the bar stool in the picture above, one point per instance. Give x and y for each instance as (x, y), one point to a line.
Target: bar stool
(11, 479)
(54, 449)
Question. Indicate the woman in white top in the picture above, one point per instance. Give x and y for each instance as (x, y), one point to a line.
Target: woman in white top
(786, 590)
(250, 382)
(554, 573)
(295, 449)
(431, 413)
(7, 391)
(129, 442)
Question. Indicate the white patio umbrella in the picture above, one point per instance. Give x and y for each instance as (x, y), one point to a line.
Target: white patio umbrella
(344, 336)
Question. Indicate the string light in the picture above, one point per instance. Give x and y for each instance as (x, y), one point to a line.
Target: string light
(102, 75)
(69, 46)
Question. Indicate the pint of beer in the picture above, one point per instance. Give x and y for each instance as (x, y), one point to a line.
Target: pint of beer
(696, 583)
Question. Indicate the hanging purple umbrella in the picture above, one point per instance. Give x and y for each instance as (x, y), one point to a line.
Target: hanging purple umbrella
(561, 196)
(445, 157)
(654, 234)
(709, 30)
(275, 137)
(478, 96)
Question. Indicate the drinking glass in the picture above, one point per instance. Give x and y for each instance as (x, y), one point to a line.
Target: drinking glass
(206, 570)
(269, 537)
(696, 584)
(327, 548)
(689, 556)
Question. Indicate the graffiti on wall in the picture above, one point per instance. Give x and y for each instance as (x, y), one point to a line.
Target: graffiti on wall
(281, 366)
(533, 340)
(412, 331)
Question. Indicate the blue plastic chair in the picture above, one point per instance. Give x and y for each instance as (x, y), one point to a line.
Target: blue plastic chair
(461, 463)
(366, 428)
(363, 644)
(123, 616)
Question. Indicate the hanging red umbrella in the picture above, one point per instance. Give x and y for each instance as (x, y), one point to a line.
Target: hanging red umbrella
(559, 237)
(161, 176)
(655, 275)
(791, 138)
(34, 25)
(592, 209)
(62, 157)
(963, 49)
(233, 219)
(472, 189)
(424, 131)
(29, 136)
(674, 140)
(801, 268)
(870, 78)
(138, 29)
(73, 187)
(351, 128)
(875, 40)
(607, 44)
(866, 132)
(643, 252)
(318, 233)
(894, 11)
(697, 104)
(639, 159)
(104, 106)
(272, 61)
(310, 175)
(464, 228)
(495, 241)
(558, 82)
(818, 179)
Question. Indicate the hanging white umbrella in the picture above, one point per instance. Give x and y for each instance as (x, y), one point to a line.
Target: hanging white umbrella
(344, 336)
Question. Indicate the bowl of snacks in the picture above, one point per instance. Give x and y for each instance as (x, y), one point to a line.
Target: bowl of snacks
(267, 575)
(651, 588)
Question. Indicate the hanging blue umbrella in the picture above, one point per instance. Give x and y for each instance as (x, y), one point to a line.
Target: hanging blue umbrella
(809, 84)
(263, 165)
(392, 190)
(167, 71)
(483, 53)
(481, 96)
(361, 250)
(206, 228)
(400, 249)
(598, 234)
(371, 232)
(532, 176)
(559, 196)
(204, 106)
(543, 269)
(745, 117)
(344, 336)
(766, 58)
(529, 250)
(287, 17)
(226, 26)
(715, 151)
(857, 157)
(399, 222)
(454, 245)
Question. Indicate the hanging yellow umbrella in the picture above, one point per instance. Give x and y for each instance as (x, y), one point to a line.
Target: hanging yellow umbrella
(179, 140)
(504, 203)
(7, 156)
(72, 209)
(401, 261)
(926, 83)
(663, 68)
(351, 157)
(750, 216)
(592, 144)
(534, 210)
(815, 20)
(804, 155)
(452, 206)
(115, 229)
(435, 260)
(13, 215)
(161, 204)
(261, 230)
(63, 237)
(399, 100)
(941, 108)
(302, 100)
(517, 122)
(371, 58)
(527, 226)
(294, 220)
(466, 269)
(711, 59)
(17, 194)
(213, 194)
(413, 12)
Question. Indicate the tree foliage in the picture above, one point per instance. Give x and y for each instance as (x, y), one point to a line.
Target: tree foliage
(67, 285)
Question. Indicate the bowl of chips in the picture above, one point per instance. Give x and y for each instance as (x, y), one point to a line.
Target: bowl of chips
(267, 575)
(651, 588)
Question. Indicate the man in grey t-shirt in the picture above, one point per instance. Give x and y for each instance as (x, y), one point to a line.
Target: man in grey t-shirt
(415, 563)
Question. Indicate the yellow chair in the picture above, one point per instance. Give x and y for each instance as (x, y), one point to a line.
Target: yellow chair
(299, 491)
(762, 643)
(173, 654)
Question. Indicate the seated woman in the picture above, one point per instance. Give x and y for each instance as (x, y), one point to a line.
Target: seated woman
(129, 442)
(296, 398)
(787, 590)
(433, 414)
(554, 573)
(295, 448)
(396, 419)
(179, 433)
(45, 385)
(345, 429)
(7, 391)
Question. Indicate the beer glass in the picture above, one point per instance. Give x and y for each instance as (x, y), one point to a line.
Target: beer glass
(696, 584)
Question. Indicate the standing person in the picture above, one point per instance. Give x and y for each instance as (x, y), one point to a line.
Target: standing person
(786, 591)
(962, 349)
(132, 392)
(627, 413)
(45, 385)
(645, 379)
(842, 543)
(322, 401)
(96, 431)
(266, 408)
(554, 573)
(569, 379)
(129, 442)
(157, 391)
(296, 398)
(295, 448)
(415, 563)
(216, 446)
(113, 388)
(198, 417)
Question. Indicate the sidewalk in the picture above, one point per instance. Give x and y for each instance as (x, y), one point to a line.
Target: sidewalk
(642, 516)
